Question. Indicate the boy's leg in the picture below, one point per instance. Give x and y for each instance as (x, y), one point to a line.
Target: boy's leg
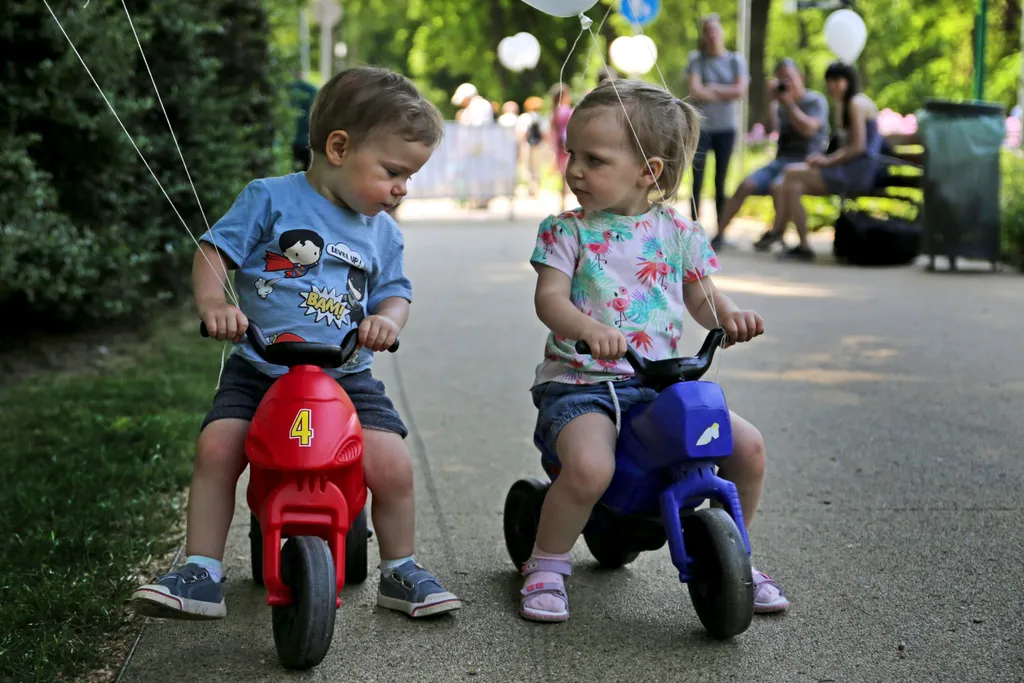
(405, 586)
(745, 468)
(193, 591)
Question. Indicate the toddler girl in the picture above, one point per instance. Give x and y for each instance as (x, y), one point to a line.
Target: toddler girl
(621, 269)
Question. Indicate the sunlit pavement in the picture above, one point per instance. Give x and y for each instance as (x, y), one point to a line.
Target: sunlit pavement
(890, 401)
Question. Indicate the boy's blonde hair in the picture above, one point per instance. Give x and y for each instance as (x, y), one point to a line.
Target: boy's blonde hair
(666, 127)
(362, 100)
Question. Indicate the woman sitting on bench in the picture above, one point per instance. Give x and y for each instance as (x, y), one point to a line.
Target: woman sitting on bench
(848, 171)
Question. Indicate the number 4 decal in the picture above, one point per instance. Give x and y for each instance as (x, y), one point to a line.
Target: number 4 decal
(302, 427)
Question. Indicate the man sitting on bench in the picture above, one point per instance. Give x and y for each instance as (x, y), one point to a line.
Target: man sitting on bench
(802, 122)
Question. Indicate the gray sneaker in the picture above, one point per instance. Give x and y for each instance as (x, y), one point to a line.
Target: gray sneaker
(412, 589)
(186, 593)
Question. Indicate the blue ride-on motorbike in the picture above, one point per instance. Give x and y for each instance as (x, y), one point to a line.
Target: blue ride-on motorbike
(665, 468)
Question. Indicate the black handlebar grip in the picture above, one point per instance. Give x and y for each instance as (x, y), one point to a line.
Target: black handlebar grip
(582, 348)
(203, 332)
(394, 347)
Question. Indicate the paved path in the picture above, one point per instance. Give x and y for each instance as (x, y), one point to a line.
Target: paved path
(891, 404)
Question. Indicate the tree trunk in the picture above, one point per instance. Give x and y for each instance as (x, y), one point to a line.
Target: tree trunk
(758, 70)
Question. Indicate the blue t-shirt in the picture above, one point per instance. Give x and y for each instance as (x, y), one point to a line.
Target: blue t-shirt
(308, 270)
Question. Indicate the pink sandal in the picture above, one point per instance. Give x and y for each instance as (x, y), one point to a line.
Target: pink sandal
(556, 588)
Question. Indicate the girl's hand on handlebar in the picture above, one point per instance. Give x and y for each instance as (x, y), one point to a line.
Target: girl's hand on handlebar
(742, 326)
(224, 321)
(378, 332)
(606, 343)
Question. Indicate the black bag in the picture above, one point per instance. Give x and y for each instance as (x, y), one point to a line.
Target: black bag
(862, 239)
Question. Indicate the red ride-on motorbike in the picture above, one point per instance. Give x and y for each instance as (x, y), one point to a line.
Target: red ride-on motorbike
(306, 487)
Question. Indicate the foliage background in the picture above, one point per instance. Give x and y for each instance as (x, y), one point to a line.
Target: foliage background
(85, 233)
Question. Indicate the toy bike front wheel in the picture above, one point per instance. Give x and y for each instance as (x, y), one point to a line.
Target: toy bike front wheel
(521, 518)
(721, 587)
(303, 629)
(355, 551)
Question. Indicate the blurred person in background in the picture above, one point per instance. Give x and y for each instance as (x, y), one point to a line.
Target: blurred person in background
(718, 79)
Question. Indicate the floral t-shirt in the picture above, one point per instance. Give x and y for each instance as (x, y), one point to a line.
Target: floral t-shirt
(627, 272)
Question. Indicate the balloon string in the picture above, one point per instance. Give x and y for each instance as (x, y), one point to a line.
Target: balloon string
(137, 150)
(195, 193)
(636, 138)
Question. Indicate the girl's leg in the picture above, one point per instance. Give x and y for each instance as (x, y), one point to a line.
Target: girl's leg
(723, 144)
(586, 449)
(745, 468)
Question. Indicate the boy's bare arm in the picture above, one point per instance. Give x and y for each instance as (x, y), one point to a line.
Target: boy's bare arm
(396, 308)
(209, 273)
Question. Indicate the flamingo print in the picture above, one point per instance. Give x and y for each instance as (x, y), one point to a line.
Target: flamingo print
(620, 304)
(674, 336)
(663, 269)
(548, 239)
(599, 249)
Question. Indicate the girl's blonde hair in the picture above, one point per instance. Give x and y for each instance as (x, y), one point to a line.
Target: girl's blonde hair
(666, 127)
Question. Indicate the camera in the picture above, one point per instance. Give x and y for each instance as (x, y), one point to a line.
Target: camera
(782, 86)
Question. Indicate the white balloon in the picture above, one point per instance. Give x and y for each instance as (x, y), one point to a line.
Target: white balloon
(634, 55)
(561, 8)
(519, 52)
(846, 34)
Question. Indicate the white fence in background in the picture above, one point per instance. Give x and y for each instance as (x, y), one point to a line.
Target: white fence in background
(471, 163)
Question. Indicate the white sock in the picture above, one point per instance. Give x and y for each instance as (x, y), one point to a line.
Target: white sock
(386, 565)
(209, 564)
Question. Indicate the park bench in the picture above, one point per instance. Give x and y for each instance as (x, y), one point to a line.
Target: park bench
(900, 179)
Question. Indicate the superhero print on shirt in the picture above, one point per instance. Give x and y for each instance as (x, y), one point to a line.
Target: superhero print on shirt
(300, 252)
(342, 309)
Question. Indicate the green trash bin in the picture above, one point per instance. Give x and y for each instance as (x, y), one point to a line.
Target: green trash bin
(962, 143)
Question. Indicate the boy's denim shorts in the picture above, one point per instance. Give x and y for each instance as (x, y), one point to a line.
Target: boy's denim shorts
(559, 403)
(242, 388)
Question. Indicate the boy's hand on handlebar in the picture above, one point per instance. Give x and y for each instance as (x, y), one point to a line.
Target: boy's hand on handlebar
(378, 332)
(742, 326)
(224, 321)
(606, 343)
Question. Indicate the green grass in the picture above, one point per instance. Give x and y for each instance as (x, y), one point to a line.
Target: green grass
(91, 471)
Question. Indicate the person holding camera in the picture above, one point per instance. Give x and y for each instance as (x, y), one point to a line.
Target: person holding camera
(717, 79)
(801, 117)
(850, 169)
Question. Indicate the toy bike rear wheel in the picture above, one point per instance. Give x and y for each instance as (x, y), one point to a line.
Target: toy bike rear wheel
(355, 551)
(608, 551)
(604, 544)
(256, 549)
(521, 518)
(722, 588)
(303, 629)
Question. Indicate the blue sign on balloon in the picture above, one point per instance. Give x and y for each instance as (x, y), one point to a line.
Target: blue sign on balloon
(640, 12)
